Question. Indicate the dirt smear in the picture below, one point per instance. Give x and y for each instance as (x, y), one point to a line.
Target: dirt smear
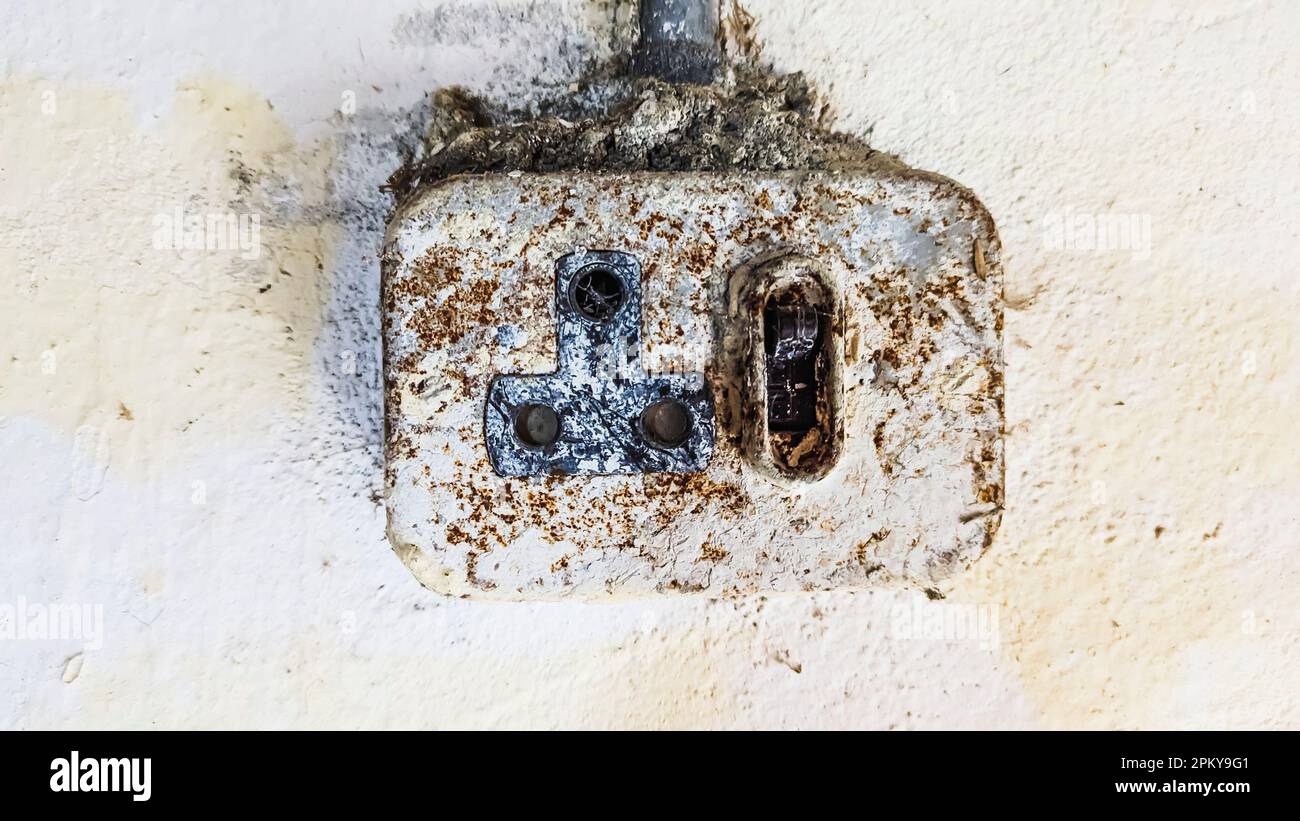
(751, 118)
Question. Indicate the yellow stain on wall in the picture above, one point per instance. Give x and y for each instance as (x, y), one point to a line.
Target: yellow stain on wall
(112, 322)
(1145, 565)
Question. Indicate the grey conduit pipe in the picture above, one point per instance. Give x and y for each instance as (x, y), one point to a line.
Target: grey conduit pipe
(679, 40)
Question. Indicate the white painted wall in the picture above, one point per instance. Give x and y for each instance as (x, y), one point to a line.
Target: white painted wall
(197, 455)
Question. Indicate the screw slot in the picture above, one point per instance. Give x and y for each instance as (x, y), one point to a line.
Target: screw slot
(537, 426)
(666, 423)
(596, 293)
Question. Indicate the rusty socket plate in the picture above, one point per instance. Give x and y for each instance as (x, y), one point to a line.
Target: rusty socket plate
(472, 311)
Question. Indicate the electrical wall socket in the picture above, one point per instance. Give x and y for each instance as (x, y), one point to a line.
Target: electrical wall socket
(832, 341)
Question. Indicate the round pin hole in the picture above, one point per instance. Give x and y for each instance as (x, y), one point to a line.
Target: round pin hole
(666, 423)
(596, 293)
(537, 426)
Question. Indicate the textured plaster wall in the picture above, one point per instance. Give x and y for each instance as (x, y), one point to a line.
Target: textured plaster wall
(191, 439)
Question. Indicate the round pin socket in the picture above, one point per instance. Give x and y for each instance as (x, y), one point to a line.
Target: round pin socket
(537, 426)
(666, 423)
(597, 292)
